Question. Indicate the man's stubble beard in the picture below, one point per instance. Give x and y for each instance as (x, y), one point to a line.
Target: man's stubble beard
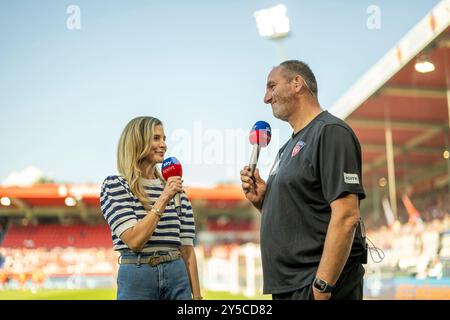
(284, 108)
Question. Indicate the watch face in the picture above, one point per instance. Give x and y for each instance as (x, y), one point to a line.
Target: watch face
(319, 284)
(322, 285)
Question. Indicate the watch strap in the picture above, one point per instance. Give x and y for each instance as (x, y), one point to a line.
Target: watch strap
(323, 286)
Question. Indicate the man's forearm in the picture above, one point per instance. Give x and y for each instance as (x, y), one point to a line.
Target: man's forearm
(338, 244)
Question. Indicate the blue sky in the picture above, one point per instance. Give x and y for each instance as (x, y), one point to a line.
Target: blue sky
(199, 66)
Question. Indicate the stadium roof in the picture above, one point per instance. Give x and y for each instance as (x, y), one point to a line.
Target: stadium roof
(392, 94)
(45, 199)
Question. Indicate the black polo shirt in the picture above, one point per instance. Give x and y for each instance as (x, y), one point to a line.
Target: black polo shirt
(319, 164)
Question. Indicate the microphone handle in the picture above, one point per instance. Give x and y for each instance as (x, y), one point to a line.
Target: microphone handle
(178, 203)
(254, 158)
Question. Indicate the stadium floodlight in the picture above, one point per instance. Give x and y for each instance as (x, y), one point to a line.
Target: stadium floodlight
(424, 64)
(5, 201)
(70, 202)
(62, 191)
(272, 22)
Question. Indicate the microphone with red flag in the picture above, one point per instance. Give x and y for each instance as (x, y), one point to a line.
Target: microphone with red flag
(171, 167)
(260, 136)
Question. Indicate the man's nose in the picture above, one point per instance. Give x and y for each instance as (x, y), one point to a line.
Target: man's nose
(268, 97)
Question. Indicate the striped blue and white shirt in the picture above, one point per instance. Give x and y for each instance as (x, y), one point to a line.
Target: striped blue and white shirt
(122, 210)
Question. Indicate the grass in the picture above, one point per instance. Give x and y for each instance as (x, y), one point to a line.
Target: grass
(103, 294)
(93, 294)
(218, 295)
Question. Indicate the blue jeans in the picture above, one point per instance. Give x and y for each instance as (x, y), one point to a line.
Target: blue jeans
(166, 281)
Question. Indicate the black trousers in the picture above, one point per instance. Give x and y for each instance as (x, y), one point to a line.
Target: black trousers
(348, 287)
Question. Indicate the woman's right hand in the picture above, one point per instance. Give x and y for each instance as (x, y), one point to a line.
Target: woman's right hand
(173, 186)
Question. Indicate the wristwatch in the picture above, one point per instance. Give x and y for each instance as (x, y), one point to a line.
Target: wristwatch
(322, 286)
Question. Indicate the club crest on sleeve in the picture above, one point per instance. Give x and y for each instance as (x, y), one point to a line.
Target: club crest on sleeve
(299, 146)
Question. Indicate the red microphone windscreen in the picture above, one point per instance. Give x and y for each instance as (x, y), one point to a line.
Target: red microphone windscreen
(171, 167)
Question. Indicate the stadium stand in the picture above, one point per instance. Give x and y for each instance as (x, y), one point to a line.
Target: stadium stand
(51, 236)
(219, 225)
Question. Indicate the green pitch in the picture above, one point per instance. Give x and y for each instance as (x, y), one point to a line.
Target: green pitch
(102, 294)
(93, 294)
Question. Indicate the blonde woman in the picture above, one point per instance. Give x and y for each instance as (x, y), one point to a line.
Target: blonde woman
(157, 258)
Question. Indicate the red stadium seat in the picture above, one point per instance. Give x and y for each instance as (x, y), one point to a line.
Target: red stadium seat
(51, 236)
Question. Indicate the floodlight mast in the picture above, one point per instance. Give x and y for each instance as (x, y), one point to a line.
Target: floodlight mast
(274, 24)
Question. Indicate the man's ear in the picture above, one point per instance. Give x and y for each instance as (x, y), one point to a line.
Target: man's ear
(298, 83)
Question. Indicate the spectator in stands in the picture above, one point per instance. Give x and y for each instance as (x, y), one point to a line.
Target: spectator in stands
(435, 268)
(2, 260)
(3, 279)
(23, 278)
(38, 278)
(146, 229)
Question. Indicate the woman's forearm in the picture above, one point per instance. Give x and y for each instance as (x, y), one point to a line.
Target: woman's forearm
(137, 236)
(190, 260)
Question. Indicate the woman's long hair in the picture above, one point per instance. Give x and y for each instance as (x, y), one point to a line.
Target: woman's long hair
(133, 149)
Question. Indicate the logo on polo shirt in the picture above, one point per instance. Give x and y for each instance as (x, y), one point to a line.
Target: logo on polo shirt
(351, 178)
(299, 146)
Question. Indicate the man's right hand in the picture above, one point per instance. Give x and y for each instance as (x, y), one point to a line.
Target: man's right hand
(254, 188)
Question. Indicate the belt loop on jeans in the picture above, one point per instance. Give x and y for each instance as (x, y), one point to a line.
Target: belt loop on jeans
(139, 259)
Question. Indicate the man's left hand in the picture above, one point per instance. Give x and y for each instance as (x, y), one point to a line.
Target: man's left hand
(321, 296)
